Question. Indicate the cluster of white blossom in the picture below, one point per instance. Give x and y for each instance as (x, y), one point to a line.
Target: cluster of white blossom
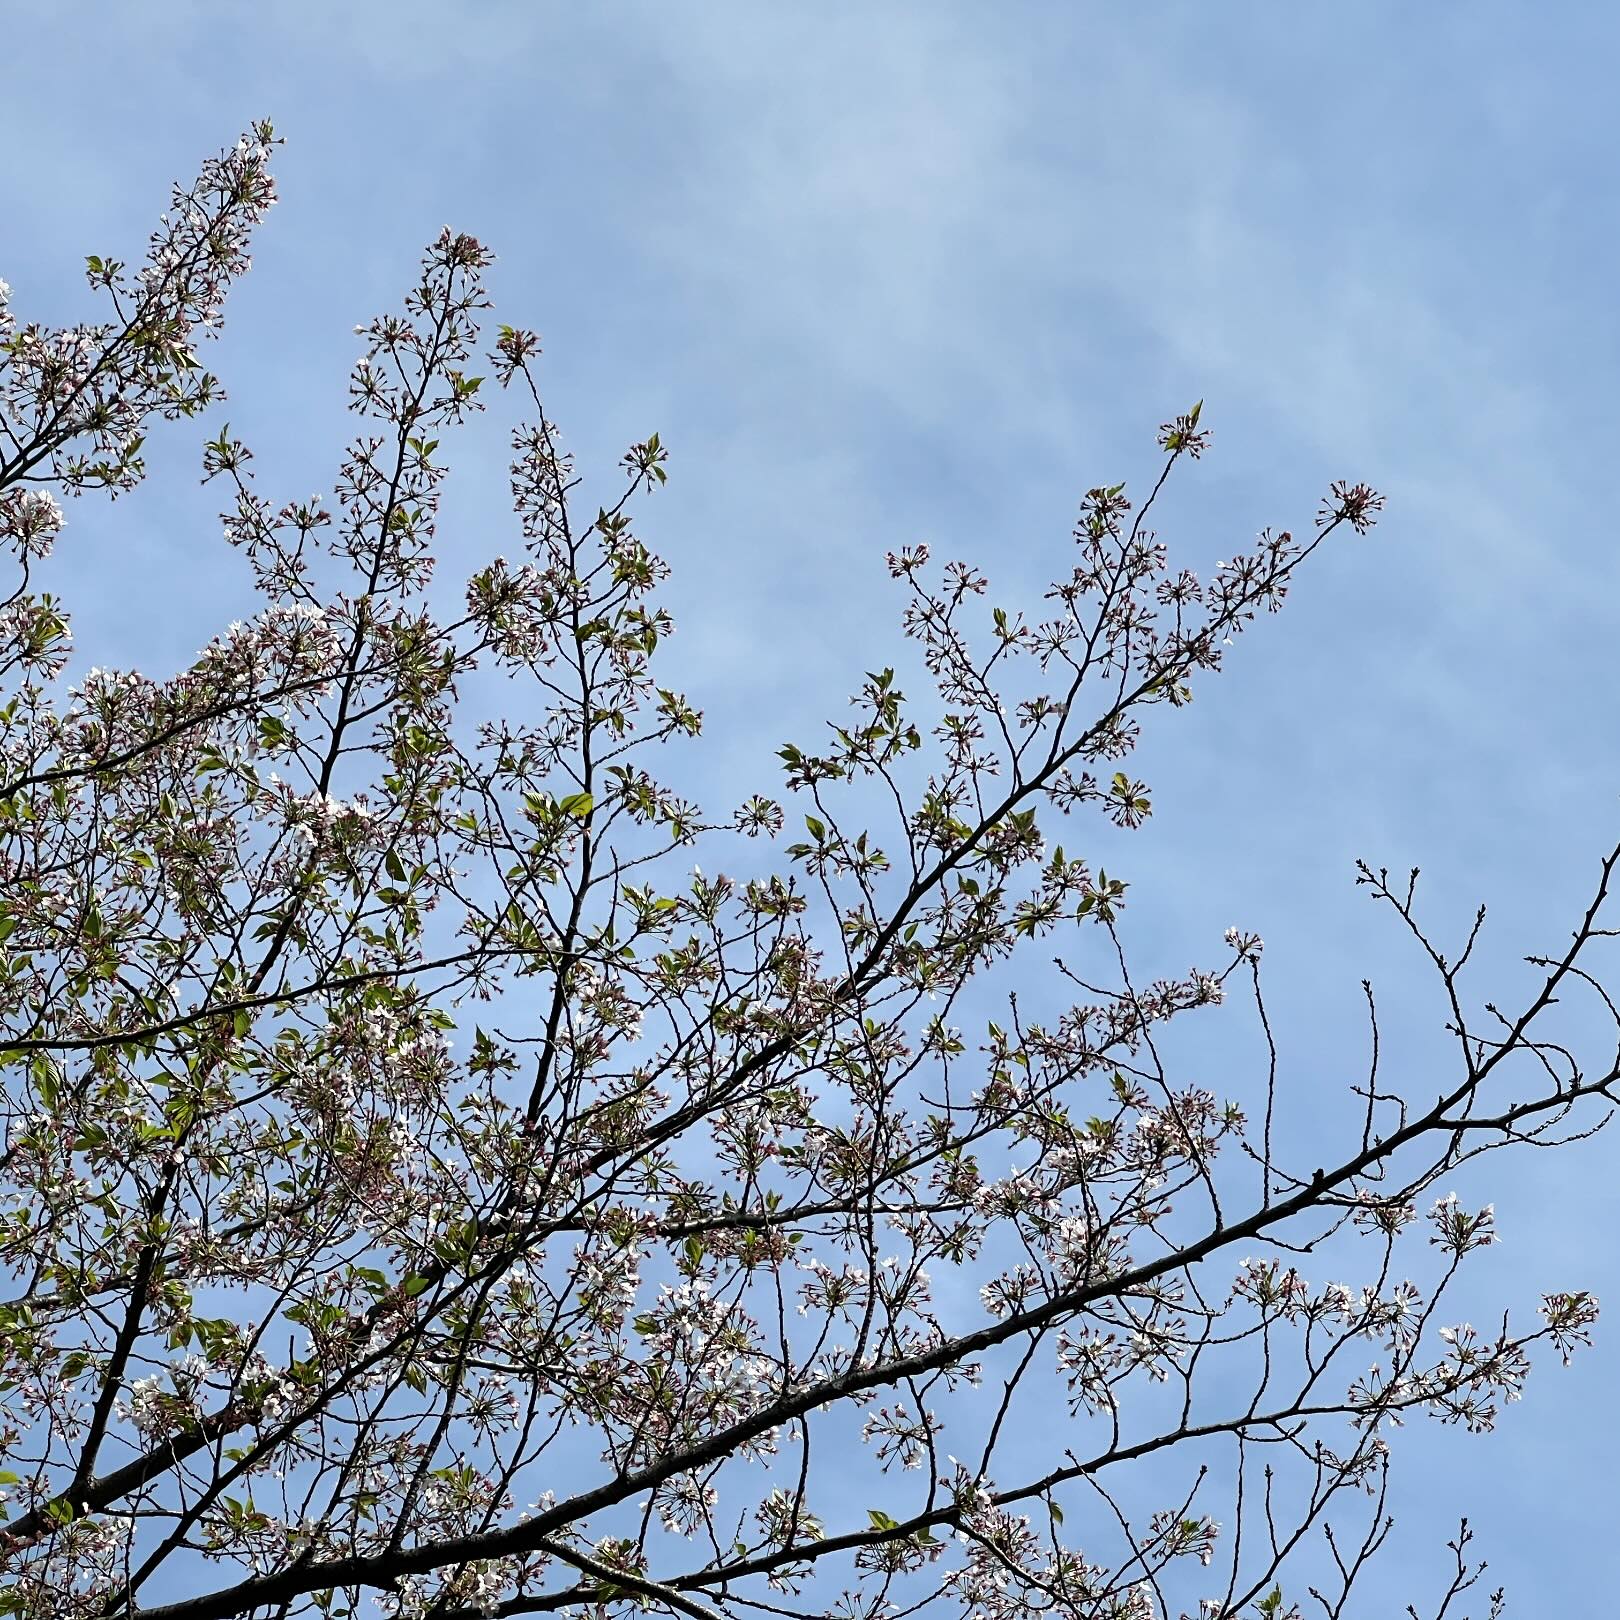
(30, 521)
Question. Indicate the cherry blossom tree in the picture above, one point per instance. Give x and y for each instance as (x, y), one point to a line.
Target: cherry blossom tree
(424, 1191)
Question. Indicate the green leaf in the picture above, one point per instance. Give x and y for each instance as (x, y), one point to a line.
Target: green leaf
(374, 1280)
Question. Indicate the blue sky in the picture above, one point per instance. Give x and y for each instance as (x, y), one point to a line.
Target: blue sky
(927, 271)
